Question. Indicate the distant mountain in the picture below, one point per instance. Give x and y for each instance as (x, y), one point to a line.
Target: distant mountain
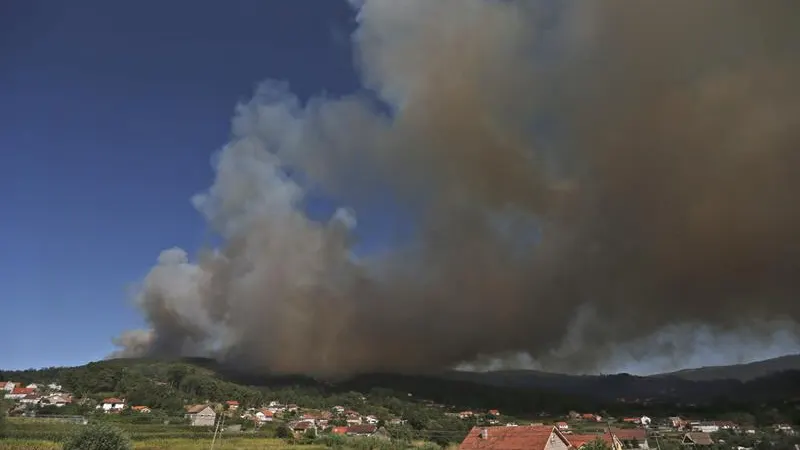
(741, 372)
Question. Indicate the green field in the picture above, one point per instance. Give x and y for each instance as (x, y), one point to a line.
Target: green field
(167, 444)
(43, 434)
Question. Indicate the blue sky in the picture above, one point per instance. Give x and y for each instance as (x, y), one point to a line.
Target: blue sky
(109, 115)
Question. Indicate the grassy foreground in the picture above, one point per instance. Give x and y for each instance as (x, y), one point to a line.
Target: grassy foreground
(167, 444)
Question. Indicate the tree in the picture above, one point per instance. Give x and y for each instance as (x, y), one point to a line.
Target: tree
(597, 444)
(98, 437)
(283, 432)
(2, 419)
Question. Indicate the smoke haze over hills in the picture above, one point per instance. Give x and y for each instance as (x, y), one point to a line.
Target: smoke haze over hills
(592, 185)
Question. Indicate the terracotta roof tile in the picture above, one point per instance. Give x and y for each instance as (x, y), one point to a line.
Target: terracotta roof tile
(579, 440)
(511, 438)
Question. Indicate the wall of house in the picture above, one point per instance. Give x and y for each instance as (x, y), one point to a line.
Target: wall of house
(202, 419)
(555, 443)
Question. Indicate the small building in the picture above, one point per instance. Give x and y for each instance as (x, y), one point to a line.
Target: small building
(112, 404)
(232, 405)
(265, 415)
(632, 438)
(697, 439)
(705, 427)
(563, 426)
(7, 386)
(201, 416)
(494, 412)
(141, 409)
(515, 438)
(361, 430)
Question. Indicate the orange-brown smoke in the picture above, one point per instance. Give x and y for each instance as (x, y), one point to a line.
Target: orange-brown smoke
(657, 196)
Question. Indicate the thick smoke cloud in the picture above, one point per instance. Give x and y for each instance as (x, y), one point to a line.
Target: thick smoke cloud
(590, 182)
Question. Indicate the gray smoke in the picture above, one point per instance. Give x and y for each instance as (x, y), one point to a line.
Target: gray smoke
(590, 183)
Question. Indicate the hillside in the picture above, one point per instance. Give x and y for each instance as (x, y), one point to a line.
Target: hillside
(170, 384)
(741, 372)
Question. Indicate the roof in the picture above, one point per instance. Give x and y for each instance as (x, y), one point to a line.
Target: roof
(511, 438)
(339, 430)
(22, 391)
(267, 413)
(303, 425)
(561, 424)
(630, 434)
(194, 409)
(362, 429)
(232, 402)
(698, 438)
(112, 400)
(579, 440)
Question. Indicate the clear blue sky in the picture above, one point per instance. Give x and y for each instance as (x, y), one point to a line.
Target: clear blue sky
(109, 114)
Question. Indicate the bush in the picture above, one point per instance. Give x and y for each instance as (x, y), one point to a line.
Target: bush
(98, 437)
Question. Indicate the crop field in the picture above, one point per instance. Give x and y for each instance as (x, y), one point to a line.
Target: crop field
(168, 444)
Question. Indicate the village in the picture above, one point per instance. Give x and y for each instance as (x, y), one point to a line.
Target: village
(489, 429)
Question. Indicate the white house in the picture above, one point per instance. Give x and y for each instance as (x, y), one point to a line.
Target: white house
(7, 386)
(112, 404)
(54, 387)
(705, 427)
(265, 415)
(33, 386)
(372, 420)
(30, 399)
(201, 416)
(645, 421)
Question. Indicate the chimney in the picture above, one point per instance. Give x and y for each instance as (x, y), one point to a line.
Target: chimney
(484, 433)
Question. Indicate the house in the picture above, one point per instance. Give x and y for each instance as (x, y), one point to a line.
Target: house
(338, 409)
(646, 421)
(705, 427)
(7, 386)
(265, 415)
(677, 422)
(233, 405)
(515, 438)
(371, 420)
(465, 414)
(580, 440)
(562, 426)
(339, 430)
(696, 439)
(112, 404)
(56, 400)
(784, 428)
(201, 416)
(361, 430)
(54, 387)
(727, 425)
(591, 417)
(636, 420)
(30, 399)
(632, 438)
(302, 427)
(141, 409)
(494, 412)
(19, 393)
(33, 386)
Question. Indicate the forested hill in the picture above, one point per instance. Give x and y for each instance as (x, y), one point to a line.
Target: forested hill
(169, 385)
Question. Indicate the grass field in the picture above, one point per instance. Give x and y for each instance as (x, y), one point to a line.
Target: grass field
(168, 444)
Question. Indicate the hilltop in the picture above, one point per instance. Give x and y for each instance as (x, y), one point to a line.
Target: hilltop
(172, 383)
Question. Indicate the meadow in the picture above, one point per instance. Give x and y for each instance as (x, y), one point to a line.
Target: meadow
(39, 434)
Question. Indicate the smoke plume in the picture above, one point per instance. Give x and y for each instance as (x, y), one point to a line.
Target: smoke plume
(589, 182)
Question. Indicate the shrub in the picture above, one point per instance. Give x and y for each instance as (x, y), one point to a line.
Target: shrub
(98, 437)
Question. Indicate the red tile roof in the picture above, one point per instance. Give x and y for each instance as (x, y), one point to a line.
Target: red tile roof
(232, 402)
(511, 438)
(339, 430)
(579, 440)
(362, 429)
(630, 434)
(112, 400)
(24, 391)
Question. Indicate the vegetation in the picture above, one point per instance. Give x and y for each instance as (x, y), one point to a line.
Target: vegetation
(98, 437)
(2, 418)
